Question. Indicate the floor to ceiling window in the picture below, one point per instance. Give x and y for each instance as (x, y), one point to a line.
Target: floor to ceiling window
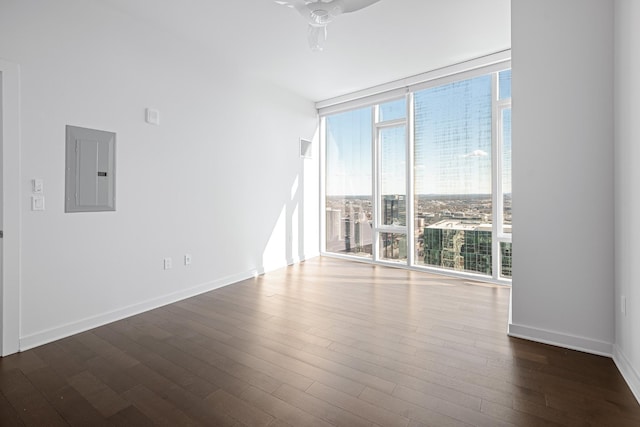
(424, 179)
(390, 187)
(348, 199)
(453, 203)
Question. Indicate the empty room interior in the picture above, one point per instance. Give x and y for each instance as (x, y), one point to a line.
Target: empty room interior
(302, 212)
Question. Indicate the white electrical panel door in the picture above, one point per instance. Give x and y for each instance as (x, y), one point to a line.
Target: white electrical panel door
(90, 174)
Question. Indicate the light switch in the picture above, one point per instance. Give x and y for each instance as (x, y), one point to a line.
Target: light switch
(37, 203)
(37, 186)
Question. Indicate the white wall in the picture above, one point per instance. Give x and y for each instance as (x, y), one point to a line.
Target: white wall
(217, 179)
(627, 197)
(562, 59)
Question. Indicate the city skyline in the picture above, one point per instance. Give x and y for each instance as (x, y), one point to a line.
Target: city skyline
(438, 223)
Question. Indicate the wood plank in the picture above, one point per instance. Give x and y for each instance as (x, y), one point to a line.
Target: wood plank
(28, 401)
(373, 413)
(8, 414)
(280, 409)
(98, 394)
(247, 414)
(130, 417)
(320, 408)
(159, 410)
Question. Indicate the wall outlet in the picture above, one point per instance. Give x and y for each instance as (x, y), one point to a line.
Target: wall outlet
(37, 203)
(623, 305)
(187, 259)
(167, 263)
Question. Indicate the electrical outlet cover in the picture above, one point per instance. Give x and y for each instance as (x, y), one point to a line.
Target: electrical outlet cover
(37, 203)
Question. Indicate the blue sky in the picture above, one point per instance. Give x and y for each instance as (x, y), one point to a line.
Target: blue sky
(453, 143)
(349, 153)
(453, 138)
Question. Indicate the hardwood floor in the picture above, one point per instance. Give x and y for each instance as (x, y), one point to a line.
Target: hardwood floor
(326, 342)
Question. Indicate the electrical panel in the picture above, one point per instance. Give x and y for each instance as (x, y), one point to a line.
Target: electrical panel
(90, 179)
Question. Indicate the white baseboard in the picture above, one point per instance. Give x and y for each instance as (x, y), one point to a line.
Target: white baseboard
(587, 345)
(628, 372)
(558, 339)
(302, 258)
(59, 332)
(268, 267)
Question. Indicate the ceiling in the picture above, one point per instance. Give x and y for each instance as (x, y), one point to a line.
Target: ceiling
(390, 40)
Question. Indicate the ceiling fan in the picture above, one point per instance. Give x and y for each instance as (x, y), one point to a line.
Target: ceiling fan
(319, 13)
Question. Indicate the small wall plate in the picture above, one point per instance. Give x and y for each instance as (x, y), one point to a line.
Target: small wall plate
(305, 148)
(152, 116)
(37, 203)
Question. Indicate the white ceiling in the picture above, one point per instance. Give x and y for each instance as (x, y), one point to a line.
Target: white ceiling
(387, 41)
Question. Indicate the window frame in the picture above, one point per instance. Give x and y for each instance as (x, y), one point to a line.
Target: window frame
(433, 79)
(378, 227)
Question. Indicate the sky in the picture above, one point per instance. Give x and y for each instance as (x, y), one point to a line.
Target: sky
(452, 150)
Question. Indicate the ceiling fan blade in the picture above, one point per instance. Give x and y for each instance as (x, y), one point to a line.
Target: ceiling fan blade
(348, 6)
(333, 8)
(299, 5)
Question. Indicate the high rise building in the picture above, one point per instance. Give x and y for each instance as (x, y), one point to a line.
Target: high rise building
(346, 226)
(334, 229)
(506, 256)
(394, 210)
(458, 245)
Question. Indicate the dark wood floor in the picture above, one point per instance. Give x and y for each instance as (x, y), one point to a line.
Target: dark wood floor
(326, 342)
